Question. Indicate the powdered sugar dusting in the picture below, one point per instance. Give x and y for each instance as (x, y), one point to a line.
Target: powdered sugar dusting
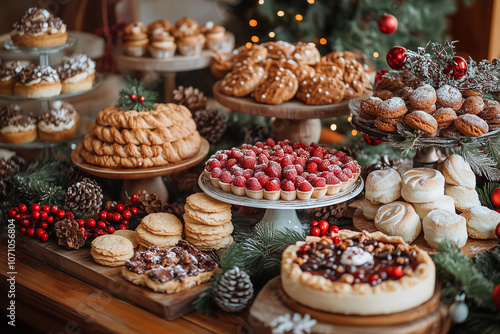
(448, 95)
(423, 93)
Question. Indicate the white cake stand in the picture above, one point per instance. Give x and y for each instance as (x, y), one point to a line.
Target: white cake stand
(280, 214)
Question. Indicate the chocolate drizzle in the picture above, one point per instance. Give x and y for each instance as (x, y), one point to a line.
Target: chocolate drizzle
(36, 21)
(390, 261)
(61, 112)
(12, 114)
(176, 263)
(74, 65)
(35, 72)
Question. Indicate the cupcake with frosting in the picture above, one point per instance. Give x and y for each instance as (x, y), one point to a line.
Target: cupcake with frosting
(38, 28)
(77, 73)
(215, 35)
(15, 126)
(59, 122)
(190, 40)
(162, 44)
(163, 24)
(135, 39)
(8, 72)
(37, 81)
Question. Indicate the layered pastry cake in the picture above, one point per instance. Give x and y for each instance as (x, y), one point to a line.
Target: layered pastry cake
(77, 73)
(60, 122)
(38, 28)
(17, 126)
(357, 273)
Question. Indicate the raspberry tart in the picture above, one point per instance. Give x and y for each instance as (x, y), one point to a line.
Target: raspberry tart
(282, 170)
(357, 273)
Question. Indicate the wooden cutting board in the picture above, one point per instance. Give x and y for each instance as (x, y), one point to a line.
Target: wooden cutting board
(80, 264)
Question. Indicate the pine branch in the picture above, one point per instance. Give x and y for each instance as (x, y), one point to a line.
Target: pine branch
(485, 194)
(492, 146)
(408, 140)
(135, 88)
(482, 164)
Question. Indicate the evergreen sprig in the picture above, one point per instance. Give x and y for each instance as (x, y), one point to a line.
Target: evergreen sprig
(409, 140)
(136, 88)
(485, 194)
(476, 278)
(258, 253)
(479, 157)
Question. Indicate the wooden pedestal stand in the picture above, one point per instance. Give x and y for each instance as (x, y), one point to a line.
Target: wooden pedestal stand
(280, 214)
(136, 179)
(428, 318)
(292, 120)
(169, 67)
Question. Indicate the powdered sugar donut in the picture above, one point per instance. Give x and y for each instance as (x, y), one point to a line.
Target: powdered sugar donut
(449, 97)
(423, 97)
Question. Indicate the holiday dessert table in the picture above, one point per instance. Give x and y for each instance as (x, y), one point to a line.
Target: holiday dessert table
(293, 120)
(280, 214)
(136, 179)
(168, 67)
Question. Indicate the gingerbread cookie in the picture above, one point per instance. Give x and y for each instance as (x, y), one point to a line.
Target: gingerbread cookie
(320, 89)
(242, 80)
(471, 125)
(420, 120)
(369, 105)
(306, 53)
(387, 124)
(280, 86)
(449, 97)
(252, 55)
(423, 97)
(355, 79)
(472, 105)
(445, 117)
(392, 108)
(279, 49)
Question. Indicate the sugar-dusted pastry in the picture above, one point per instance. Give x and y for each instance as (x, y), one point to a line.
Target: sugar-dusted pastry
(37, 81)
(242, 80)
(481, 222)
(444, 116)
(457, 171)
(352, 273)
(280, 86)
(60, 122)
(279, 49)
(420, 120)
(398, 219)
(464, 197)
(320, 89)
(472, 105)
(471, 125)
(17, 126)
(383, 186)
(422, 185)
(8, 73)
(423, 97)
(449, 97)
(368, 209)
(444, 203)
(442, 226)
(135, 39)
(77, 73)
(306, 53)
(38, 28)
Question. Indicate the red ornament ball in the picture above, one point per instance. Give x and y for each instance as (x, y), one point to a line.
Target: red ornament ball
(495, 197)
(380, 74)
(496, 296)
(371, 141)
(497, 231)
(141, 99)
(457, 68)
(387, 24)
(396, 57)
(133, 97)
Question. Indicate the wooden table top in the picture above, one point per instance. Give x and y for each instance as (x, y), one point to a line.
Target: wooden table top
(52, 301)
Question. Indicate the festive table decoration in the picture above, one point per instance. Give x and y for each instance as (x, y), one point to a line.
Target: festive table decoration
(190, 97)
(211, 123)
(396, 57)
(136, 97)
(84, 197)
(387, 24)
(234, 291)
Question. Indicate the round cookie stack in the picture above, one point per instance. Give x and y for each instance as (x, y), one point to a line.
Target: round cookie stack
(130, 235)
(159, 229)
(111, 250)
(207, 222)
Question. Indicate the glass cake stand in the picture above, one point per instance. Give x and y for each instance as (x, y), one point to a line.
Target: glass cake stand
(280, 214)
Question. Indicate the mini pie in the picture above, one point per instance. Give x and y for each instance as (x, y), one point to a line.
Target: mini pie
(357, 273)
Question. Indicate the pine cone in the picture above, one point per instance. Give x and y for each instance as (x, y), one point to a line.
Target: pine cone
(330, 212)
(190, 97)
(150, 203)
(84, 197)
(76, 174)
(68, 234)
(234, 291)
(211, 124)
(255, 133)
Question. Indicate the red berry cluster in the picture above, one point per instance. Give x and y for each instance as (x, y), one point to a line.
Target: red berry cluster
(38, 221)
(322, 228)
(108, 221)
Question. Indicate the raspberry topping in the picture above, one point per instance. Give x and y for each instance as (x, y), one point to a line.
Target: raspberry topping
(254, 184)
(305, 186)
(273, 185)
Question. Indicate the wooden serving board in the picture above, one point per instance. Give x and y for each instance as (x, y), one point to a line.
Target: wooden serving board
(472, 247)
(80, 264)
(431, 318)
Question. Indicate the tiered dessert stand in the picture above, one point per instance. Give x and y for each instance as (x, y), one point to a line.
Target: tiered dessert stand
(280, 214)
(292, 120)
(136, 179)
(169, 67)
(85, 122)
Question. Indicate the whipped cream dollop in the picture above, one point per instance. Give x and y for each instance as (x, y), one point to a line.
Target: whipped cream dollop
(355, 256)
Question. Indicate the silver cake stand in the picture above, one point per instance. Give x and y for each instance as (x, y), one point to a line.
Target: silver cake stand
(280, 214)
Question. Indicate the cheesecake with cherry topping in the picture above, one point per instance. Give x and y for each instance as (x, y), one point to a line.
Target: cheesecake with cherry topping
(357, 273)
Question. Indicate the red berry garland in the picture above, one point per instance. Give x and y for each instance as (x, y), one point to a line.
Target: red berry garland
(141, 99)
(322, 228)
(133, 97)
